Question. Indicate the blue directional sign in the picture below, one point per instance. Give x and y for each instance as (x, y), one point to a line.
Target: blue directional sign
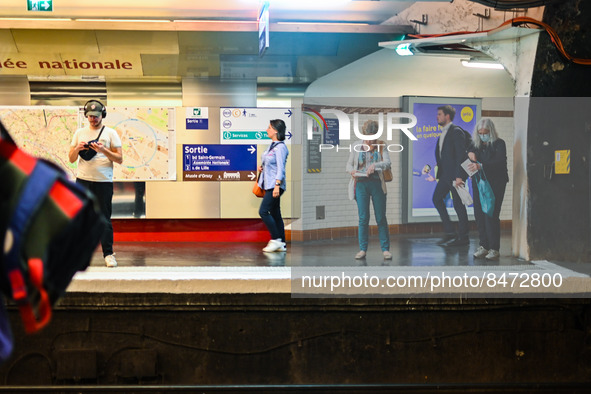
(219, 162)
(197, 124)
(39, 5)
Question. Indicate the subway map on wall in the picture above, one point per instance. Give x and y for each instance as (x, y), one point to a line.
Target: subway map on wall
(147, 135)
(148, 142)
(43, 132)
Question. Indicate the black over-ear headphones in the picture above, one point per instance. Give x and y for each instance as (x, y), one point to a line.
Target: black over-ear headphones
(87, 109)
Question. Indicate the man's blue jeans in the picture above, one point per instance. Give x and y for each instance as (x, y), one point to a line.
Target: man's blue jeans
(364, 192)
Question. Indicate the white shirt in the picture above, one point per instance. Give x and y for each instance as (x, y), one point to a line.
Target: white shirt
(444, 130)
(99, 168)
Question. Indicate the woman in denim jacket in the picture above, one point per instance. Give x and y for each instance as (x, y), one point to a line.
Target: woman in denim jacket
(367, 161)
(273, 182)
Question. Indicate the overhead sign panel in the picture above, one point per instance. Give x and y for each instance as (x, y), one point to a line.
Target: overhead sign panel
(264, 28)
(12, 63)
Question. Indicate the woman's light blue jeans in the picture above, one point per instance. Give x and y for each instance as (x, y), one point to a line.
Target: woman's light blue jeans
(364, 192)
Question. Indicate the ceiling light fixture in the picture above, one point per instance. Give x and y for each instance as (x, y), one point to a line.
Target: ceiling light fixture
(38, 19)
(325, 23)
(124, 20)
(212, 21)
(478, 63)
(404, 49)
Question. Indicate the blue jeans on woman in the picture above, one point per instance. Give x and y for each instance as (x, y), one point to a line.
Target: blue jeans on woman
(270, 212)
(364, 192)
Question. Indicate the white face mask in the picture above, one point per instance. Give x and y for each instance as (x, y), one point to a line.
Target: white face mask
(484, 137)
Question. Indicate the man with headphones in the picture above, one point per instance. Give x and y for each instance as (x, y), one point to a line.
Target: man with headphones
(96, 148)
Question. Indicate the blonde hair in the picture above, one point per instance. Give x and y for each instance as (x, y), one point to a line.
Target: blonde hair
(487, 124)
(370, 127)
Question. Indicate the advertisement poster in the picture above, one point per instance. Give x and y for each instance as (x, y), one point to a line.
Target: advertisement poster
(422, 165)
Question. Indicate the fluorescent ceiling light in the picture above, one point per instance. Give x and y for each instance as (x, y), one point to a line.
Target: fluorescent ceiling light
(125, 20)
(325, 23)
(306, 4)
(482, 64)
(212, 21)
(38, 19)
(404, 49)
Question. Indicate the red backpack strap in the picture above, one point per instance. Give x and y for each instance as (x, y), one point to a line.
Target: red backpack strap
(34, 320)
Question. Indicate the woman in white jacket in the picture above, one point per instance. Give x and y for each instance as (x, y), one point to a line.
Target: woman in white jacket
(367, 162)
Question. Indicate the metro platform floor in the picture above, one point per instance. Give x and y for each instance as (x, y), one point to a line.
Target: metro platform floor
(186, 267)
(407, 250)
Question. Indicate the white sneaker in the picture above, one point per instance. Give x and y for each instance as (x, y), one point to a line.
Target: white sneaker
(480, 252)
(273, 246)
(493, 255)
(360, 255)
(283, 248)
(110, 260)
(387, 255)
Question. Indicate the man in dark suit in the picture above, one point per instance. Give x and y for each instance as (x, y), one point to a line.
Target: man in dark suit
(450, 152)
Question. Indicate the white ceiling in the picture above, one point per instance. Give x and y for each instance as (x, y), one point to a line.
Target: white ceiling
(317, 42)
(373, 12)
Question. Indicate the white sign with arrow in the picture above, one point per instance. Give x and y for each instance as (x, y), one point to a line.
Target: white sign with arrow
(249, 125)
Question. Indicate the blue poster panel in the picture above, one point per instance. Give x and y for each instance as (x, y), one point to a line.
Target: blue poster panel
(421, 164)
(219, 162)
(331, 135)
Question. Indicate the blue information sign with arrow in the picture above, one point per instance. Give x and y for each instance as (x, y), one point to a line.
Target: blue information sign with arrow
(39, 5)
(219, 162)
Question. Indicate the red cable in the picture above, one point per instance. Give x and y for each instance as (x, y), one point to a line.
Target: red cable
(519, 21)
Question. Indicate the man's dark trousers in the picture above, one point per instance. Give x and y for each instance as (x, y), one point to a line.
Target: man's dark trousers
(441, 190)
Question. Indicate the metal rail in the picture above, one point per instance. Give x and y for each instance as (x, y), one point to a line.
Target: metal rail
(554, 388)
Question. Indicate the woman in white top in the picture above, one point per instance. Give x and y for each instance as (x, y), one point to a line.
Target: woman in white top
(367, 162)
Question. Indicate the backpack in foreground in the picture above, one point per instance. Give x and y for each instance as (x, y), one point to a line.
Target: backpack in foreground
(49, 228)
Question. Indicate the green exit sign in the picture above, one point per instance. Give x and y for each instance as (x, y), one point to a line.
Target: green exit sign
(39, 5)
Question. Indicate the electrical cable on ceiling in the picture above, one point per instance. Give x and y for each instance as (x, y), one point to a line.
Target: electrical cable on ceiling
(518, 22)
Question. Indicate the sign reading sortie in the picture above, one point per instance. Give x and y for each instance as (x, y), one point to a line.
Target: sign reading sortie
(219, 162)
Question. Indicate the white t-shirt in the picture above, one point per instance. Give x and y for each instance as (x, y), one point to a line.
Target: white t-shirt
(99, 168)
(444, 130)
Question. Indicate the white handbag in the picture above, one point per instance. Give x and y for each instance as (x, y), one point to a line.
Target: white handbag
(464, 194)
(351, 189)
